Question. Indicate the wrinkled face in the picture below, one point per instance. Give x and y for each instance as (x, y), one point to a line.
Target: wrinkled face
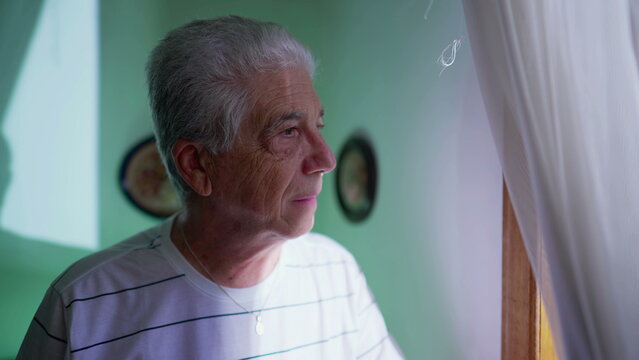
(270, 179)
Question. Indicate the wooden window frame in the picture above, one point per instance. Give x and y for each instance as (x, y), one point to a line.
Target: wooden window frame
(525, 331)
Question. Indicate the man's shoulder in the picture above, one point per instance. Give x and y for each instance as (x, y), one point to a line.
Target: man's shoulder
(319, 248)
(321, 241)
(117, 259)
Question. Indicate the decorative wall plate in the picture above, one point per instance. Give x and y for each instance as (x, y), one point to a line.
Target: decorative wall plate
(145, 182)
(356, 178)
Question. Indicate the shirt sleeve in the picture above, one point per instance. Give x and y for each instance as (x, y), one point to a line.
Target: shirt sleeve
(374, 340)
(46, 337)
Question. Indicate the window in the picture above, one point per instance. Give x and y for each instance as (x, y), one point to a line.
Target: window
(49, 185)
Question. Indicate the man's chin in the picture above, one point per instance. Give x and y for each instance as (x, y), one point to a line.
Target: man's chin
(303, 226)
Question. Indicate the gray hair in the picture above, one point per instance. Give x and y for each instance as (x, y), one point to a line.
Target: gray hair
(199, 80)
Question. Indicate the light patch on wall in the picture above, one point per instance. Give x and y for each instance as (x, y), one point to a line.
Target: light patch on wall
(51, 130)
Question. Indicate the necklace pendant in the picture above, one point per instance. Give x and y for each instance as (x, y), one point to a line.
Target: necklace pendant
(259, 325)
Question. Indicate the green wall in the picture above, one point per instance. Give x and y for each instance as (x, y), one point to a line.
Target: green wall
(377, 72)
(128, 32)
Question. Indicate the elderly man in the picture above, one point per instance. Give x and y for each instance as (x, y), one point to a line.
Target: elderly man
(236, 274)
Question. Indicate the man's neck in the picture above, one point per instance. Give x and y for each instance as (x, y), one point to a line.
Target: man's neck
(224, 255)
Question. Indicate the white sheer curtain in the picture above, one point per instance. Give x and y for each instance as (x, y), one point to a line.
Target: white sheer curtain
(561, 88)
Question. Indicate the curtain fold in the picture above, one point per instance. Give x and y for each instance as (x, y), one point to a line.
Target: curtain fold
(561, 88)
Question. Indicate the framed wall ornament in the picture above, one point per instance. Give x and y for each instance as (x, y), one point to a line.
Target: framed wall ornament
(145, 183)
(356, 178)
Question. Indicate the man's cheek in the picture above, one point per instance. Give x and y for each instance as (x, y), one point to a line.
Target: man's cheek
(262, 177)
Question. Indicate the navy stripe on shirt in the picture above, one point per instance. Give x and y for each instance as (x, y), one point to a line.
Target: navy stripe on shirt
(209, 317)
(124, 290)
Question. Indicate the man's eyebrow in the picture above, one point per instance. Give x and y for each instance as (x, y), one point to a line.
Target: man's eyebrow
(293, 115)
(288, 116)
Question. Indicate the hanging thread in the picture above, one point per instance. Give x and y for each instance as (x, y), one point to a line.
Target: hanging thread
(428, 9)
(447, 58)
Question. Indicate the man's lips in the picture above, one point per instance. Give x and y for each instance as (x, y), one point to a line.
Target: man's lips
(306, 198)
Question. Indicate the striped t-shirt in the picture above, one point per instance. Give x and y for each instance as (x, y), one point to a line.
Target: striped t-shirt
(140, 299)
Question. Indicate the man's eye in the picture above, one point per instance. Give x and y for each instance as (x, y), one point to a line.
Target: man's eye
(289, 132)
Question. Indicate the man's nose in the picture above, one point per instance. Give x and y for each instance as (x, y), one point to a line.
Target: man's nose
(321, 158)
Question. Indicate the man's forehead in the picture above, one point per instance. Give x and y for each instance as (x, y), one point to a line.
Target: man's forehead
(282, 96)
(300, 93)
(288, 81)
(298, 115)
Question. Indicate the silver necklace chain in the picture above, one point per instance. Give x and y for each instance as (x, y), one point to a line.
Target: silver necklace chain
(259, 324)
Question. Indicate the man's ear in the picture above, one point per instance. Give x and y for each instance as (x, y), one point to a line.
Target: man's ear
(191, 160)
